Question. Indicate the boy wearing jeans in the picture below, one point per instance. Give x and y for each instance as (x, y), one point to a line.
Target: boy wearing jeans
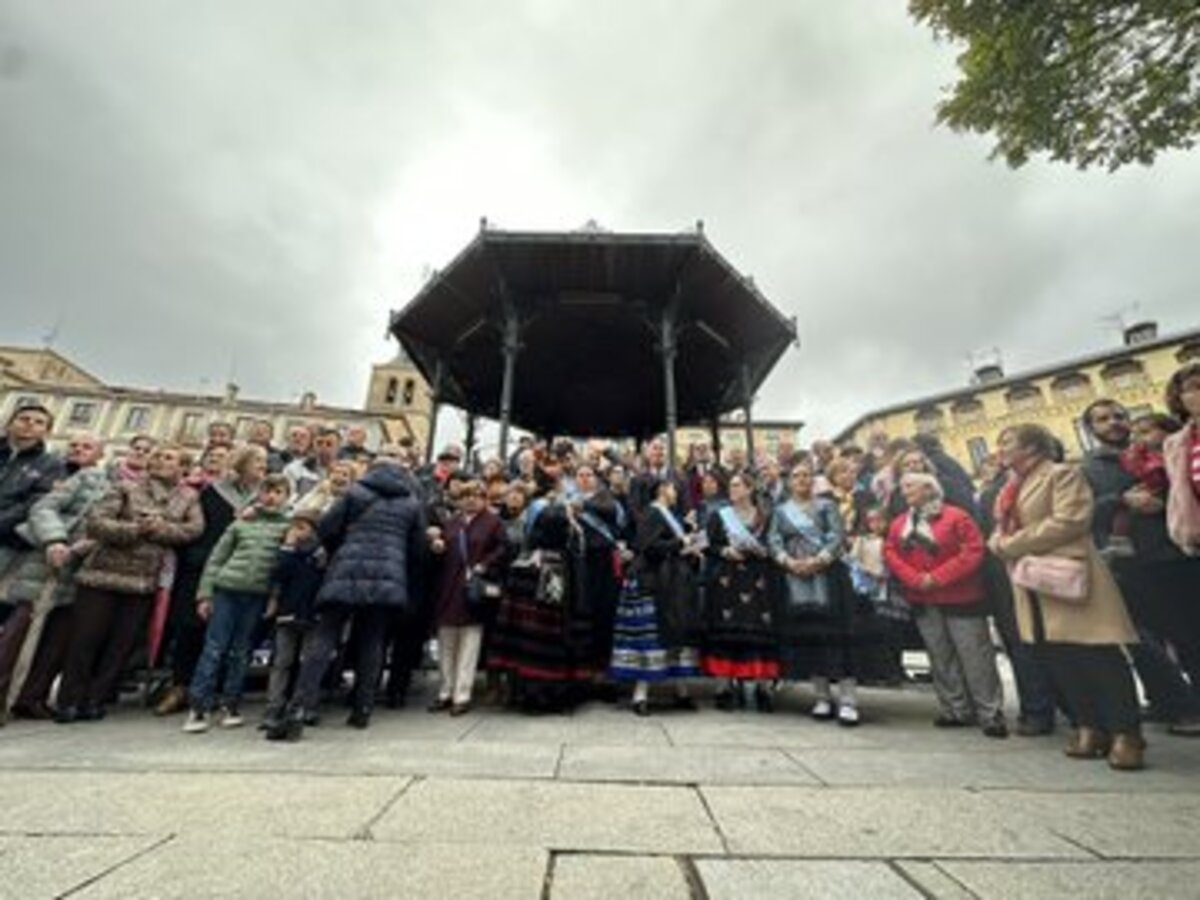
(232, 598)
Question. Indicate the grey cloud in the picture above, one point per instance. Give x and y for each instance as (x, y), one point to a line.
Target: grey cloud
(200, 188)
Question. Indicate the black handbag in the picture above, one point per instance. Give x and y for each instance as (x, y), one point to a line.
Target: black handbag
(481, 594)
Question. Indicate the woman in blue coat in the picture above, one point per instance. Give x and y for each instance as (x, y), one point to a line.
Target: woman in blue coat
(374, 535)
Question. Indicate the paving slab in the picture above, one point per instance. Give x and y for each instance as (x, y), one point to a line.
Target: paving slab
(615, 728)
(802, 880)
(592, 877)
(1096, 881)
(756, 730)
(33, 867)
(245, 750)
(873, 823)
(160, 803)
(1039, 768)
(555, 815)
(932, 880)
(682, 765)
(1117, 825)
(255, 868)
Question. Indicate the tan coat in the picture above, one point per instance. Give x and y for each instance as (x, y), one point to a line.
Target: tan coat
(125, 560)
(1055, 513)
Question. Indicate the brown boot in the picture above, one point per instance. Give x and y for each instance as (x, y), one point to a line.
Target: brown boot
(1087, 743)
(1127, 753)
(173, 701)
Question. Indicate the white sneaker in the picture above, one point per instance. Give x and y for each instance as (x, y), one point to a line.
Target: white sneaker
(231, 718)
(848, 715)
(197, 723)
(822, 709)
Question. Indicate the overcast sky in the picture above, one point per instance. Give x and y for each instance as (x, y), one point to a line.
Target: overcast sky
(199, 191)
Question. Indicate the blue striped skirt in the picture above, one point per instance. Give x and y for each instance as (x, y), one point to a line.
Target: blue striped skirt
(638, 655)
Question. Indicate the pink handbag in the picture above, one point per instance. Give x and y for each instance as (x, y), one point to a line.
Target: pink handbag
(1060, 577)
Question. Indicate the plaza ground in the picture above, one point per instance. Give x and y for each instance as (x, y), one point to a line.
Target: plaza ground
(598, 804)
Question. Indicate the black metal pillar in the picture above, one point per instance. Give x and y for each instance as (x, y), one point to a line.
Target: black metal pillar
(435, 409)
(668, 348)
(510, 346)
(469, 462)
(714, 428)
(747, 408)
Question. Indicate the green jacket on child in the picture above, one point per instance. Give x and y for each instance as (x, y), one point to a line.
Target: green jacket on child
(243, 558)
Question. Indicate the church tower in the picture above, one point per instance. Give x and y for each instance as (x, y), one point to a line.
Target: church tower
(398, 393)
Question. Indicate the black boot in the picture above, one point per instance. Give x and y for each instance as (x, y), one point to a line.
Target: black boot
(360, 717)
(289, 727)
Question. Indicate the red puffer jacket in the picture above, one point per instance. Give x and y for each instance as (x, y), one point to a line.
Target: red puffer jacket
(956, 566)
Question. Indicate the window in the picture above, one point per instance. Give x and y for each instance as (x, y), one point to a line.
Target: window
(1188, 353)
(1125, 375)
(138, 418)
(1073, 387)
(242, 430)
(1025, 398)
(83, 413)
(929, 420)
(978, 448)
(968, 411)
(190, 427)
(393, 387)
(410, 390)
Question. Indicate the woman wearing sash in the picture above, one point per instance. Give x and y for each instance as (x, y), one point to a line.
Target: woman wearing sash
(741, 643)
(599, 519)
(817, 610)
(657, 617)
(537, 635)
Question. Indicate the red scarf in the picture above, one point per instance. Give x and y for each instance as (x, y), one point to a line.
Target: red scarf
(1007, 517)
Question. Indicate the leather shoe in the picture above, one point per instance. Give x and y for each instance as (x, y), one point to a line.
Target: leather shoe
(359, 718)
(173, 701)
(1087, 743)
(1128, 753)
(460, 709)
(687, 704)
(1034, 727)
(33, 712)
(439, 705)
(641, 708)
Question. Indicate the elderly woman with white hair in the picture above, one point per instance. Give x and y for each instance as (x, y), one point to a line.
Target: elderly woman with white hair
(936, 551)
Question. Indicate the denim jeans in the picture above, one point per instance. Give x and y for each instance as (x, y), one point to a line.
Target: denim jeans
(227, 640)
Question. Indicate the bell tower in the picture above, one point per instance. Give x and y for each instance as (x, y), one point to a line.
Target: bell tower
(397, 392)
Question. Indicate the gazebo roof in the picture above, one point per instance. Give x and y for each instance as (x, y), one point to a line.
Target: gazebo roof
(590, 304)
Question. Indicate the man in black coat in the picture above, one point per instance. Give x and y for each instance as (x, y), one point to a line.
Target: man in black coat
(27, 471)
(375, 538)
(658, 467)
(1173, 699)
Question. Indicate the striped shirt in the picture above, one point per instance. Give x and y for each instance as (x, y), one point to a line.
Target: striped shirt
(1194, 460)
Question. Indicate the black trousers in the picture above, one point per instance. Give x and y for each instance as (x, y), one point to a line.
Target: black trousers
(1092, 680)
(50, 657)
(320, 648)
(105, 627)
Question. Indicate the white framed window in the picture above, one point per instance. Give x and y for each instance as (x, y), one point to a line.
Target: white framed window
(137, 419)
(83, 414)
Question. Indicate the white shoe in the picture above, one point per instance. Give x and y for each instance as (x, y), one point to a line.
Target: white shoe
(822, 709)
(196, 723)
(848, 715)
(232, 719)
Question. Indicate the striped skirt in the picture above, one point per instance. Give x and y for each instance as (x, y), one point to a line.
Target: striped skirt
(638, 654)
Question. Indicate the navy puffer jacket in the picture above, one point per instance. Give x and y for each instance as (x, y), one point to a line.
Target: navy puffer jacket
(374, 535)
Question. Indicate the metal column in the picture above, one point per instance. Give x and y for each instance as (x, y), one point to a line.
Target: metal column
(435, 408)
(510, 346)
(669, 348)
(748, 403)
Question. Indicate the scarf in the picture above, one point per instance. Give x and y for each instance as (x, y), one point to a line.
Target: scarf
(1008, 520)
(918, 530)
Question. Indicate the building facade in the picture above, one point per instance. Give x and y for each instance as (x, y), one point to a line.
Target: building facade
(397, 407)
(970, 420)
(775, 439)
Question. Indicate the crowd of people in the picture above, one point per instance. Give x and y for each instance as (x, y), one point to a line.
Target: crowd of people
(578, 571)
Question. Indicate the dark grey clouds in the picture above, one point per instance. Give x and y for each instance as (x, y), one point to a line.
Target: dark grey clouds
(200, 189)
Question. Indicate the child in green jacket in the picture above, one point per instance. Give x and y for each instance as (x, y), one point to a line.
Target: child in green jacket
(232, 598)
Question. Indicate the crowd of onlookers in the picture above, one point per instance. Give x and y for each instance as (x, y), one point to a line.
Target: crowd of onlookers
(593, 570)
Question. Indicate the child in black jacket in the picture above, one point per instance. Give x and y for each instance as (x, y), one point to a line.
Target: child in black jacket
(297, 576)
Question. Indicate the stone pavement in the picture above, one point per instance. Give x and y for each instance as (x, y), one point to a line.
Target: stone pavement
(598, 804)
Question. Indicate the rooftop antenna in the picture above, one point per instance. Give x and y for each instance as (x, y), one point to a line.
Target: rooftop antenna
(49, 338)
